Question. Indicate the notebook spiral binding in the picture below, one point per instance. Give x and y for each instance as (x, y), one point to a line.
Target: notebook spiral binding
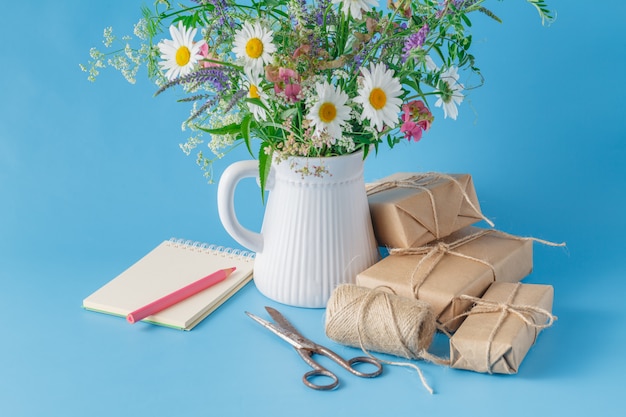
(213, 249)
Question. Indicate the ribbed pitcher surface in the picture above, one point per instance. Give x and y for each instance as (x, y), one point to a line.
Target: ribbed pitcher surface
(316, 232)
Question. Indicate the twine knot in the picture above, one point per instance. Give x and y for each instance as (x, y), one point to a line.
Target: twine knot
(526, 313)
(434, 253)
(442, 247)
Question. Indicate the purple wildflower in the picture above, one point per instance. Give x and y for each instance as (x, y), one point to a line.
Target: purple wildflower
(220, 9)
(415, 41)
(234, 99)
(220, 4)
(211, 102)
(367, 50)
(358, 60)
(321, 11)
(216, 76)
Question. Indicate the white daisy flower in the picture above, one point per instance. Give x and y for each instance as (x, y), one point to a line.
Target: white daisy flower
(329, 113)
(180, 54)
(450, 96)
(255, 91)
(253, 44)
(355, 7)
(379, 95)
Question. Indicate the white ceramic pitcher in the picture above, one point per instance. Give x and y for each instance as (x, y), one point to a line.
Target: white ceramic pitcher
(316, 233)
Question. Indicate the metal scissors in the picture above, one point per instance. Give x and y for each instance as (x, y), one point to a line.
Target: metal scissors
(307, 348)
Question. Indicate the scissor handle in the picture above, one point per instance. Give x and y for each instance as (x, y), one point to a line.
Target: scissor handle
(320, 371)
(364, 359)
(349, 364)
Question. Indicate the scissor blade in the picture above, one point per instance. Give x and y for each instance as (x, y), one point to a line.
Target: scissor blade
(284, 334)
(282, 320)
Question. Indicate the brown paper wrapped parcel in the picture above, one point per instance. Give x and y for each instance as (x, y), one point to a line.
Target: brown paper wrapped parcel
(466, 262)
(410, 210)
(500, 329)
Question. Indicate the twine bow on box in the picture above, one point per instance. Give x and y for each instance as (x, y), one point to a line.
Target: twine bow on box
(532, 316)
(435, 252)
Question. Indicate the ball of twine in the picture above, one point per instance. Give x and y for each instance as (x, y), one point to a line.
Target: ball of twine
(376, 320)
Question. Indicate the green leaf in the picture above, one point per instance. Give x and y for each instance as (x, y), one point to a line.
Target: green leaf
(289, 113)
(245, 131)
(265, 164)
(224, 130)
(438, 50)
(178, 19)
(466, 20)
(467, 42)
(452, 50)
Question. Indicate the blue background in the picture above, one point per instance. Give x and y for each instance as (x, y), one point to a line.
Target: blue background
(91, 178)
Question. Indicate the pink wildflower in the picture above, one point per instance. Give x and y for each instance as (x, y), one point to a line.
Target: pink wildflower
(292, 91)
(411, 130)
(415, 120)
(286, 81)
(286, 74)
(204, 52)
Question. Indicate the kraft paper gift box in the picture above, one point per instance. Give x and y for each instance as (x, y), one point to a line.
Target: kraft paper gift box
(466, 262)
(502, 327)
(410, 210)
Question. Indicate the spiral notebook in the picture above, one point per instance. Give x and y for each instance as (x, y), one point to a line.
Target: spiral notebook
(173, 264)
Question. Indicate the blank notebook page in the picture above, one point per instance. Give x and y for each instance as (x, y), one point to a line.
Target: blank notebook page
(173, 264)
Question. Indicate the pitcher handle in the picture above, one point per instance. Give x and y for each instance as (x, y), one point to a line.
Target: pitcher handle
(226, 202)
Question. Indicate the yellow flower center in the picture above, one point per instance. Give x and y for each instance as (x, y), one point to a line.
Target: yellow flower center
(254, 48)
(183, 55)
(328, 112)
(254, 91)
(378, 98)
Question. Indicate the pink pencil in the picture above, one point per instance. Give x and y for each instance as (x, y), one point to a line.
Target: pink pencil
(179, 295)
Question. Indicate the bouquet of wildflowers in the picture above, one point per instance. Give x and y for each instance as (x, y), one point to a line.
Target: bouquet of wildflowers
(306, 78)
